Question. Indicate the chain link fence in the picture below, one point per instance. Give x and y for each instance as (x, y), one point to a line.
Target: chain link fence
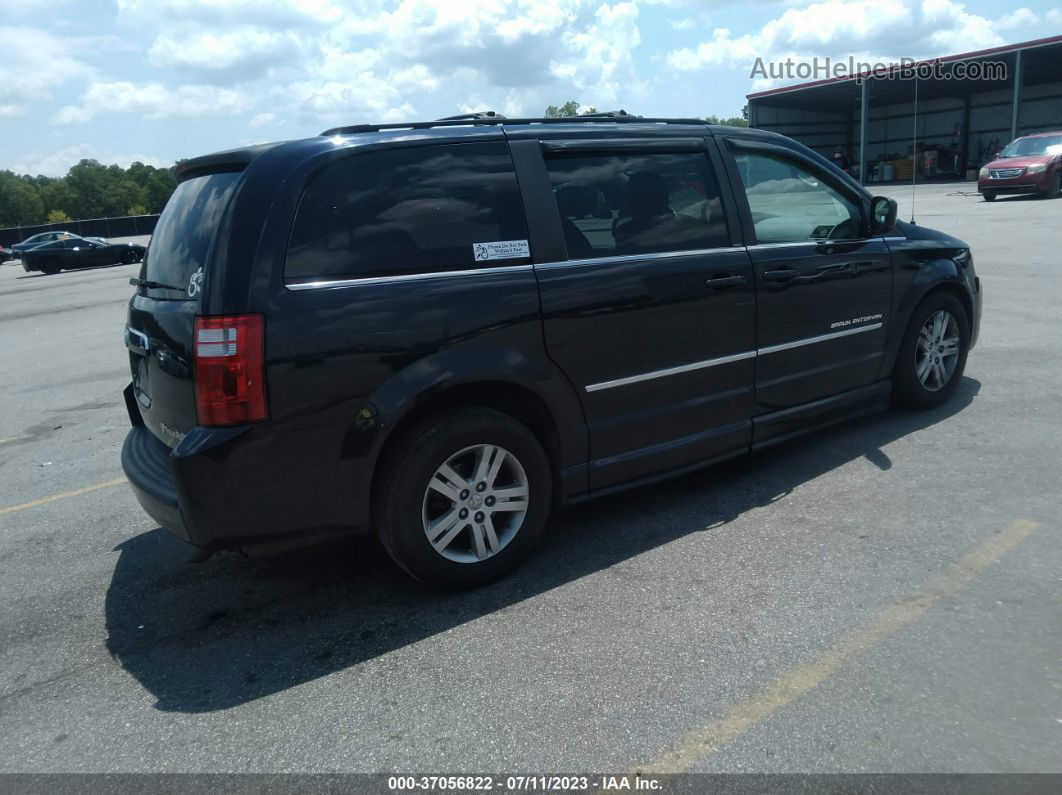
(126, 226)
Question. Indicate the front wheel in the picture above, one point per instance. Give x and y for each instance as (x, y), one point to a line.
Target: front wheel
(1055, 187)
(932, 355)
(463, 498)
(989, 196)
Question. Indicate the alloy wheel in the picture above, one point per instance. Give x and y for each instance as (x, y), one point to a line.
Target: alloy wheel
(938, 349)
(475, 503)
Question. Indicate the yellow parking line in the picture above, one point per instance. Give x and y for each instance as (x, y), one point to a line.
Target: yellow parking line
(796, 682)
(63, 496)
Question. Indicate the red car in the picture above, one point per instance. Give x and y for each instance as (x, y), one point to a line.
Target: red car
(1030, 164)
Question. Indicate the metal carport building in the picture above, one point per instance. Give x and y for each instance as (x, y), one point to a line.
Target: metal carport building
(958, 123)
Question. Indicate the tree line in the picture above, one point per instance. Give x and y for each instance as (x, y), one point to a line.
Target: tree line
(88, 190)
(573, 108)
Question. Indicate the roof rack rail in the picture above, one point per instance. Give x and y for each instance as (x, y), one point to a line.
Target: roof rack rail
(481, 114)
(598, 118)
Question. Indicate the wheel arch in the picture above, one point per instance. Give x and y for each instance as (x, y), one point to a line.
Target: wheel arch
(49, 261)
(529, 389)
(938, 275)
(507, 397)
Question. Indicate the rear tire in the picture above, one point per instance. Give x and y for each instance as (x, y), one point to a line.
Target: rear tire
(932, 355)
(50, 267)
(989, 196)
(463, 497)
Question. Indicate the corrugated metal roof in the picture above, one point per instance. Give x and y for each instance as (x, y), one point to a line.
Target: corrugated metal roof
(966, 56)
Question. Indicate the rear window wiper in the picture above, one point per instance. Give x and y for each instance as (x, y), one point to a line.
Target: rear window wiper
(153, 285)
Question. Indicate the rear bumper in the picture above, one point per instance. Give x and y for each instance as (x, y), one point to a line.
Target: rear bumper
(147, 465)
(247, 485)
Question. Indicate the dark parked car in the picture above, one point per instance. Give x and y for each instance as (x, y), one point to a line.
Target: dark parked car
(1031, 164)
(79, 252)
(39, 239)
(411, 329)
(6, 254)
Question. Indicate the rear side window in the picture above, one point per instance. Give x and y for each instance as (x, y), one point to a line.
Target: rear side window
(413, 210)
(182, 238)
(637, 204)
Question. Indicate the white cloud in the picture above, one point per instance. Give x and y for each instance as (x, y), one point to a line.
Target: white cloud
(867, 30)
(56, 164)
(153, 101)
(1019, 18)
(603, 50)
(236, 54)
(686, 23)
(954, 30)
(32, 7)
(32, 64)
(372, 59)
(1054, 16)
(282, 14)
(262, 119)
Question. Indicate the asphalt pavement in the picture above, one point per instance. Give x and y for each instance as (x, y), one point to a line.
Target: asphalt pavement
(882, 596)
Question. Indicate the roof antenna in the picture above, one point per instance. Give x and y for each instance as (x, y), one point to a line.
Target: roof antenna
(914, 151)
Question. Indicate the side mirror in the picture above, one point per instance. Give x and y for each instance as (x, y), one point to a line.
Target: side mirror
(882, 214)
(995, 156)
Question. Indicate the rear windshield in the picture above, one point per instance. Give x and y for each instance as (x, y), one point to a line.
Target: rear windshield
(179, 245)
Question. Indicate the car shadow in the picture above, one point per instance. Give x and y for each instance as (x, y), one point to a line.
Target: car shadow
(208, 636)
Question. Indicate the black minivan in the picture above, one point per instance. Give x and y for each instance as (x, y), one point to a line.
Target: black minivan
(440, 331)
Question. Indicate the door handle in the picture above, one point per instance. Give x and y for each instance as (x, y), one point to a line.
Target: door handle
(724, 281)
(780, 275)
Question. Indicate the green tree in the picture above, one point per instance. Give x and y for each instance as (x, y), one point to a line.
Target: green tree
(88, 183)
(89, 190)
(20, 201)
(122, 193)
(160, 184)
(732, 121)
(569, 108)
(58, 217)
(56, 195)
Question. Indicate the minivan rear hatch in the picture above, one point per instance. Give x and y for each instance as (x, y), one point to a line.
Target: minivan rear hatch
(162, 313)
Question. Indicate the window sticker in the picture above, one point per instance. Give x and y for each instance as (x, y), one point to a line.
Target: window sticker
(195, 283)
(501, 249)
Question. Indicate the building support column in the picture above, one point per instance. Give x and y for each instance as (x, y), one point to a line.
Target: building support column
(864, 107)
(1015, 113)
(964, 140)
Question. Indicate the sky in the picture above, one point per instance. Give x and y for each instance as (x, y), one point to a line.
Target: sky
(159, 80)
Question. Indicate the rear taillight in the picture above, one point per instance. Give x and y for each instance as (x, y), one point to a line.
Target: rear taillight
(230, 369)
